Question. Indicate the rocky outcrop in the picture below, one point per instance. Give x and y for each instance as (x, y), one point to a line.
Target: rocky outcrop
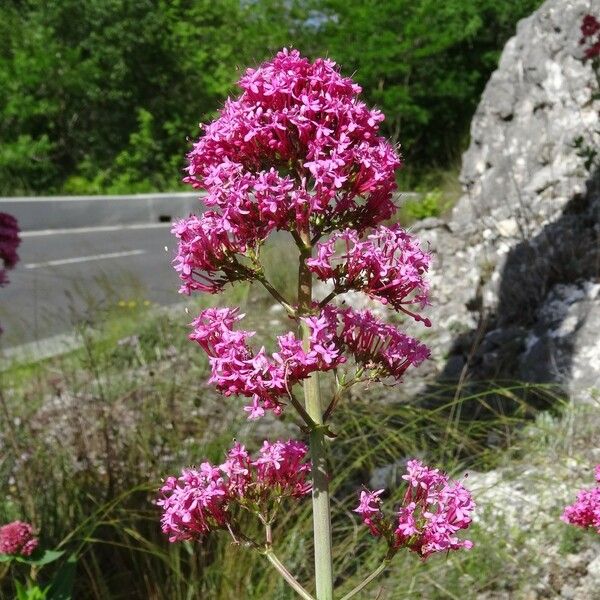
(517, 272)
(521, 500)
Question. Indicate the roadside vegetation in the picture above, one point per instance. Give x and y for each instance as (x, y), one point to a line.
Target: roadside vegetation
(86, 438)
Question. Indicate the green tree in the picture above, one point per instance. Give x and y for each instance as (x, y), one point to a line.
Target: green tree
(88, 86)
(76, 75)
(424, 63)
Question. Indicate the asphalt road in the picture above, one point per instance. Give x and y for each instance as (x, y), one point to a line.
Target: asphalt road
(65, 275)
(84, 254)
(79, 255)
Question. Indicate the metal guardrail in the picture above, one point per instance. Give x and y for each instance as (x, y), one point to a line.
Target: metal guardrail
(66, 212)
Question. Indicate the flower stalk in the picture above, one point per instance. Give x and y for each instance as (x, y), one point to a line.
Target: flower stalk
(363, 584)
(291, 580)
(320, 475)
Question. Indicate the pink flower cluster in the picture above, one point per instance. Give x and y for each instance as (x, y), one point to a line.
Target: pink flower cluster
(236, 369)
(388, 265)
(433, 510)
(268, 379)
(298, 151)
(590, 36)
(9, 242)
(206, 259)
(378, 346)
(585, 512)
(297, 148)
(17, 539)
(202, 500)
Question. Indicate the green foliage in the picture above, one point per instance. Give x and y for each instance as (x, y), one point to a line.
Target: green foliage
(25, 160)
(102, 95)
(30, 592)
(431, 204)
(59, 586)
(108, 90)
(571, 540)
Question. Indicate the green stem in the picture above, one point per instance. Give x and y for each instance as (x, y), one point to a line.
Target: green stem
(312, 402)
(292, 581)
(301, 411)
(380, 569)
(277, 295)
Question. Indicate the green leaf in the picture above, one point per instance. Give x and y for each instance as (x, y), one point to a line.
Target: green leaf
(21, 591)
(39, 559)
(5, 558)
(61, 587)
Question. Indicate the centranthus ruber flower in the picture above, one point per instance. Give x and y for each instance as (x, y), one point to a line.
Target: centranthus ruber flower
(299, 152)
(206, 257)
(268, 379)
(433, 510)
(585, 511)
(379, 346)
(296, 145)
(9, 242)
(296, 150)
(369, 508)
(17, 539)
(205, 499)
(590, 36)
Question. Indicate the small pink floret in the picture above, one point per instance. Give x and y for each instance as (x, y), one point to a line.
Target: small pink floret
(369, 509)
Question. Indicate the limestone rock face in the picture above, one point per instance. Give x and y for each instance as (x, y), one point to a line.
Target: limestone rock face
(516, 270)
(522, 166)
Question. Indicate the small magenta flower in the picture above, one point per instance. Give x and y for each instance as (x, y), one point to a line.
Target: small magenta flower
(17, 539)
(585, 511)
(433, 510)
(369, 508)
(203, 500)
(590, 36)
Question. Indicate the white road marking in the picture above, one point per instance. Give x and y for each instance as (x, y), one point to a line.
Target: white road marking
(100, 229)
(80, 259)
